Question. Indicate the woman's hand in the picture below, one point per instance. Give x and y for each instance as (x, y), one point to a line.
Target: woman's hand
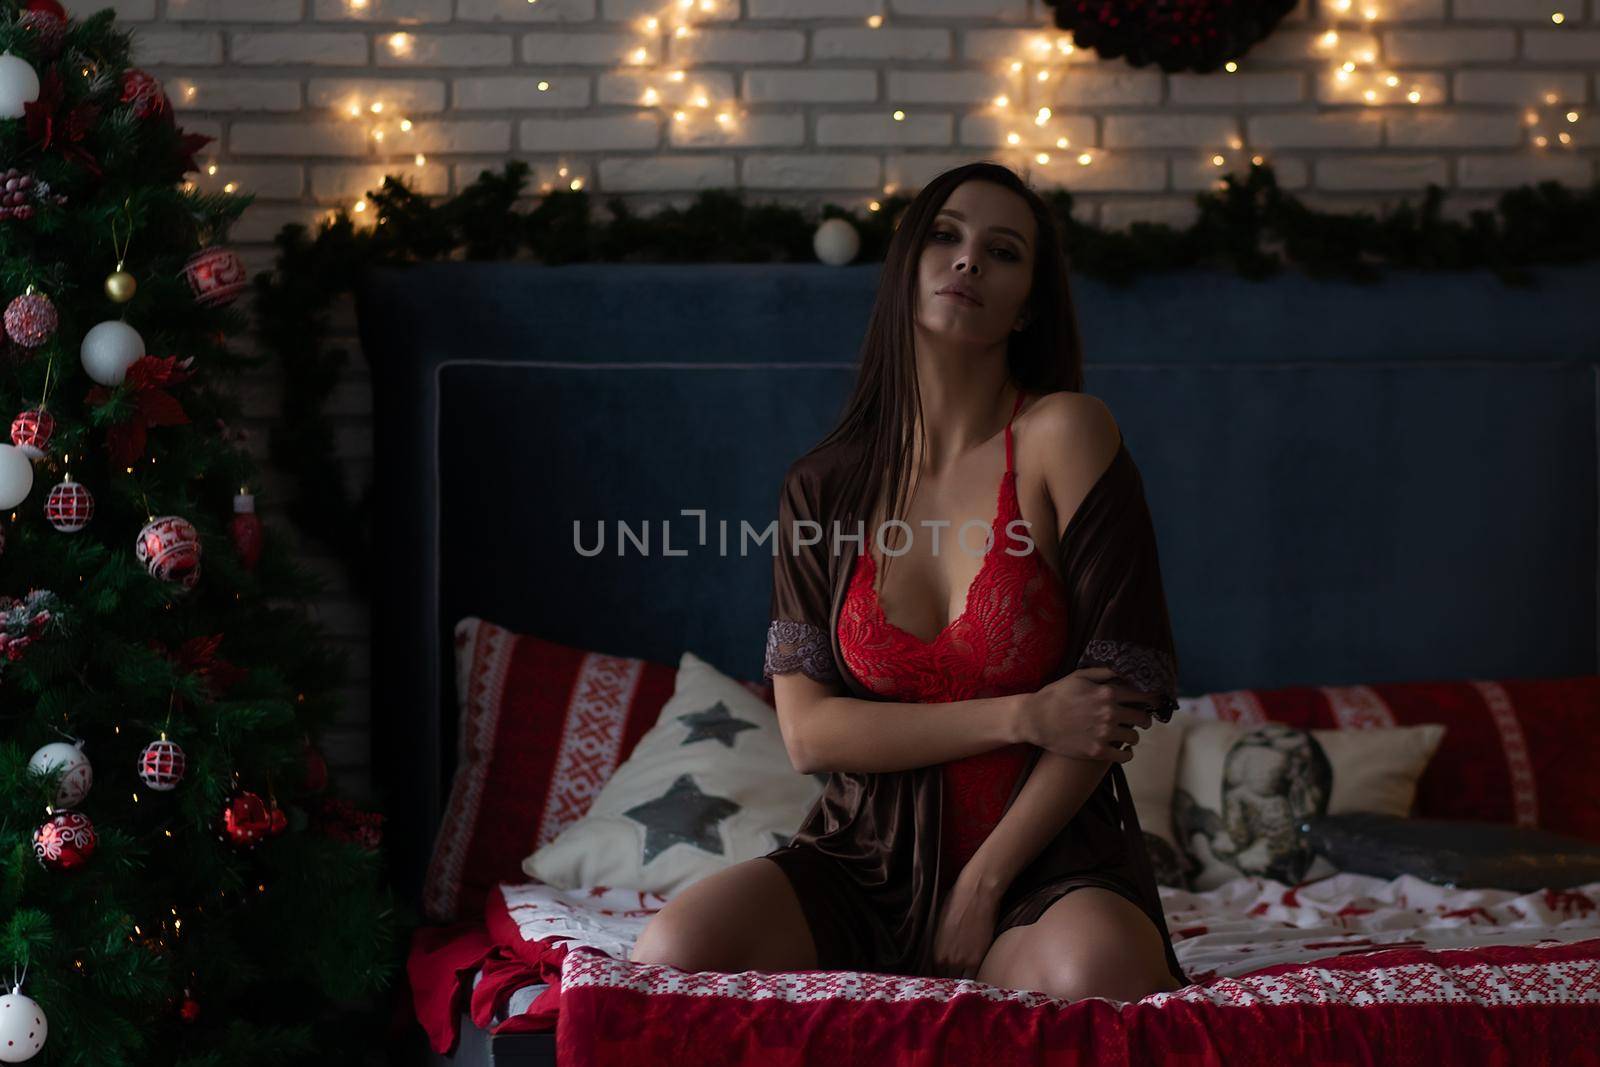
(966, 927)
(1086, 715)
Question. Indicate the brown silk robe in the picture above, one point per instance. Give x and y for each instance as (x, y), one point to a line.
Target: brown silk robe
(882, 828)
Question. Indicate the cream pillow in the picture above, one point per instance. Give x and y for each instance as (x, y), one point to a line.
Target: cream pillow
(1243, 791)
(709, 785)
(1152, 774)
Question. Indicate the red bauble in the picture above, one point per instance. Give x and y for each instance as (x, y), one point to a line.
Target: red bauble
(161, 765)
(246, 530)
(277, 821)
(31, 430)
(189, 1011)
(65, 841)
(246, 821)
(169, 548)
(31, 319)
(143, 93)
(216, 275)
(47, 21)
(69, 507)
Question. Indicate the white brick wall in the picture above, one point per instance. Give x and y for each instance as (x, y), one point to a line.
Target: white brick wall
(810, 87)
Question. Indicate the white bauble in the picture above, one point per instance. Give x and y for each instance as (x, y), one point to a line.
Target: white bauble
(16, 476)
(19, 84)
(22, 1027)
(836, 242)
(79, 775)
(109, 349)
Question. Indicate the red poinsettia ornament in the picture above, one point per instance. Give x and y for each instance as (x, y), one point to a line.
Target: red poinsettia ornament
(148, 379)
(52, 129)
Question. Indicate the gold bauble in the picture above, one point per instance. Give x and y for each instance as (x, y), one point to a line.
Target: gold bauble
(120, 286)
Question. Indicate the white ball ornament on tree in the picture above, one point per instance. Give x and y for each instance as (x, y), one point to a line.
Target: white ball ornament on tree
(70, 506)
(22, 1027)
(16, 476)
(836, 242)
(78, 775)
(108, 350)
(19, 85)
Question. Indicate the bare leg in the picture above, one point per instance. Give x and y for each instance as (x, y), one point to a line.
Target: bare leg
(743, 918)
(1089, 943)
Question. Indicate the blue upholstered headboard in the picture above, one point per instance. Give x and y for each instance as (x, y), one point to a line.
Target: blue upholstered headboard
(1348, 483)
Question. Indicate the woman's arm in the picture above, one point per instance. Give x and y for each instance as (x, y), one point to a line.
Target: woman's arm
(1055, 790)
(825, 731)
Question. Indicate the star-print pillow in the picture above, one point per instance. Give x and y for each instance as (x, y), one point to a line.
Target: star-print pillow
(710, 785)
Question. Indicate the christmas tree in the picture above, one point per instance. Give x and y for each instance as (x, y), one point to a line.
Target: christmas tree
(179, 884)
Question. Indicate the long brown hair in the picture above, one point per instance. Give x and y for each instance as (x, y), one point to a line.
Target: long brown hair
(1046, 356)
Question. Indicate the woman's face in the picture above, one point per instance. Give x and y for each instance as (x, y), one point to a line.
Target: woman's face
(982, 237)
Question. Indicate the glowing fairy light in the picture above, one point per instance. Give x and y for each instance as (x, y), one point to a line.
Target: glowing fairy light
(1085, 159)
(1231, 67)
(874, 21)
(899, 116)
(1002, 101)
(400, 44)
(421, 159)
(1013, 138)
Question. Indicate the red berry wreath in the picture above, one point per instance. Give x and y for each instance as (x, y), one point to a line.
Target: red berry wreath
(1198, 35)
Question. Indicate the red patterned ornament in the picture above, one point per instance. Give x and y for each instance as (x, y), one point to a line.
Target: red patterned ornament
(31, 319)
(246, 530)
(161, 765)
(143, 93)
(216, 275)
(69, 507)
(31, 431)
(190, 1009)
(65, 841)
(169, 548)
(246, 821)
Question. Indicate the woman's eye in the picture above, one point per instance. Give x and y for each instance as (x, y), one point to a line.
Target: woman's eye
(998, 248)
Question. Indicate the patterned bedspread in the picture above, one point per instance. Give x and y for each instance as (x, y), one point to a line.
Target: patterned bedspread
(1344, 969)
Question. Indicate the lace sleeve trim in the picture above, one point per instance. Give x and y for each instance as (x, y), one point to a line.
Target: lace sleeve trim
(799, 646)
(1147, 669)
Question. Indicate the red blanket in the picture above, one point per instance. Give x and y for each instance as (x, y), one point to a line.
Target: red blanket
(1510, 1004)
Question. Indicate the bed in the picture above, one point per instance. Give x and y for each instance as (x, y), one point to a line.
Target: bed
(1350, 485)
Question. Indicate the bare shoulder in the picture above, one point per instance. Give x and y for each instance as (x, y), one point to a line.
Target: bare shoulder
(1072, 439)
(1077, 428)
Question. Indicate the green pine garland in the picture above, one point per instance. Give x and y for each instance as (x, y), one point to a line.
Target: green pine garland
(274, 944)
(1250, 226)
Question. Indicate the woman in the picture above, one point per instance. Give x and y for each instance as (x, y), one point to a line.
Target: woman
(975, 821)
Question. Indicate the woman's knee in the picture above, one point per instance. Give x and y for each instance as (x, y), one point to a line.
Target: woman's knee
(736, 919)
(1079, 975)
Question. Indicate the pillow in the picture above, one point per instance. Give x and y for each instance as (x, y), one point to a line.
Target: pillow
(1152, 773)
(710, 785)
(1243, 791)
(1454, 852)
(1518, 751)
(541, 728)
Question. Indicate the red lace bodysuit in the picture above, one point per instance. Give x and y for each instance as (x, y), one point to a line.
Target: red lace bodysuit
(1009, 638)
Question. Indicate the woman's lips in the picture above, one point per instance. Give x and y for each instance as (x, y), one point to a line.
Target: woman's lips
(951, 294)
